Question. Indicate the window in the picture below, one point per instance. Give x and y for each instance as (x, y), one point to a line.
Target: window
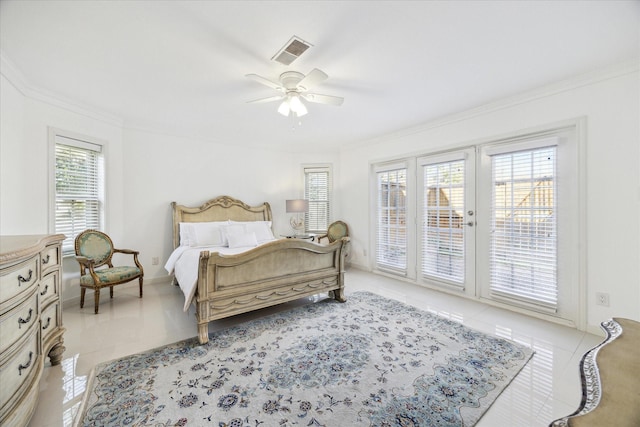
(523, 239)
(317, 190)
(391, 218)
(79, 188)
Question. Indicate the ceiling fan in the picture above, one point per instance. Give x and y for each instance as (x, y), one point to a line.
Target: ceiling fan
(294, 87)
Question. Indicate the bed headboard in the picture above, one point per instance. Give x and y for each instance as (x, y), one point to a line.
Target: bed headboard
(219, 209)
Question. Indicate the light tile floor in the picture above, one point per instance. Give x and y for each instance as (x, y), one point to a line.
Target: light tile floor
(546, 389)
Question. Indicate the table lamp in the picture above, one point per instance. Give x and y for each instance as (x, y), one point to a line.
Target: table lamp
(297, 206)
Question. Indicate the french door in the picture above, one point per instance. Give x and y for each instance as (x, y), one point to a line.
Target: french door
(528, 189)
(499, 221)
(393, 219)
(447, 220)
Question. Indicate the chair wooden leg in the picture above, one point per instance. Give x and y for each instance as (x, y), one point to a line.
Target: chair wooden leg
(140, 280)
(96, 297)
(111, 291)
(82, 291)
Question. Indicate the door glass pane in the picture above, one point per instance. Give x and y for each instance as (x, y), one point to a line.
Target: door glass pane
(523, 258)
(443, 236)
(391, 242)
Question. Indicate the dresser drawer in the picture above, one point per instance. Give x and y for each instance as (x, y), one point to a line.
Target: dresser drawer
(19, 278)
(50, 258)
(16, 322)
(30, 285)
(49, 287)
(49, 320)
(19, 369)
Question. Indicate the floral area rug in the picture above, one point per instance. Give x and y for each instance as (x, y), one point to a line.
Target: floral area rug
(371, 361)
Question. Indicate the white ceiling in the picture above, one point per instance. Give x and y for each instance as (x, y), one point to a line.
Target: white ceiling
(179, 67)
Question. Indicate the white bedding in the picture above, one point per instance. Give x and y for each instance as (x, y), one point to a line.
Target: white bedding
(184, 260)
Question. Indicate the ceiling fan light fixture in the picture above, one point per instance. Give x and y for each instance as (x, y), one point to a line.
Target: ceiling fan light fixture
(296, 105)
(284, 108)
(294, 86)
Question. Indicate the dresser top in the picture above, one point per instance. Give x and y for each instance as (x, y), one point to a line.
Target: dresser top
(17, 248)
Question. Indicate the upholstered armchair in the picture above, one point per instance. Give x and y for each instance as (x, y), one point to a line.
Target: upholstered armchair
(336, 231)
(94, 249)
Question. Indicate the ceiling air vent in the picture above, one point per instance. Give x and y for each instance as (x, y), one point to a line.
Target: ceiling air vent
(292, 50)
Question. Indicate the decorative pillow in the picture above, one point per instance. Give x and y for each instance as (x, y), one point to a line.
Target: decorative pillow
(241, 240)
(261, 228)
(231, 228)
(206, 234)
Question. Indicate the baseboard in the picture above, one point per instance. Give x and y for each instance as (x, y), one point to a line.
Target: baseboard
(596, 330)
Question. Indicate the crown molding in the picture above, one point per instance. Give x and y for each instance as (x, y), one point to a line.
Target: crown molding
(575, 82)
(20, 82)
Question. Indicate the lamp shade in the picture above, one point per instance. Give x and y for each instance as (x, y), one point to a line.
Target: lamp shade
(297, 206)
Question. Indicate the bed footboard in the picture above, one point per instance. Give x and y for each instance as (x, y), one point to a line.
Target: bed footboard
(280, 271)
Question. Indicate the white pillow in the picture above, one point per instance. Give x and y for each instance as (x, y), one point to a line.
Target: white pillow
(206, 234)
(261, 228)
(229, 229)
(241, 240)
(184, 233)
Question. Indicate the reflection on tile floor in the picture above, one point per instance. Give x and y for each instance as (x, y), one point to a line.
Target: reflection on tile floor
(546, 389)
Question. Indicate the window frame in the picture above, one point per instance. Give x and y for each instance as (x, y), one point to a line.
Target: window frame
(79, 141)
(570, 188)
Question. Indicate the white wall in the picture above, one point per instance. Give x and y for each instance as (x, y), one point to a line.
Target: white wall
(160, 169)
(145, 172)
(13, 158)
(24, 163)
(610, 103)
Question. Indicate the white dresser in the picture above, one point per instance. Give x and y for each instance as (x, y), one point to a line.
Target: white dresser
(30, 320)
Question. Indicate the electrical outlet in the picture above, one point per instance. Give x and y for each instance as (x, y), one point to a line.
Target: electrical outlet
(602, 299)
(155, 260)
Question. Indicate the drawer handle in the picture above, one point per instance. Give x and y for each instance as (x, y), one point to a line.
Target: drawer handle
(46, 260)
(21, 367)
(22, 321)
(46, 288)
(48, 323)
(23, 280)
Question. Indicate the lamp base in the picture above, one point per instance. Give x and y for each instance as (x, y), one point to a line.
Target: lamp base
(297, 224)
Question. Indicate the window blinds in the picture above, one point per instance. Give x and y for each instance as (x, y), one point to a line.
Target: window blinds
(391, 239)
(523, 251)
(78, 188)
(317, 190)
(443, 233)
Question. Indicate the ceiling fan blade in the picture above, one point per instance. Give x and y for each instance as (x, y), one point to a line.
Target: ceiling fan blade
(314, 77)
(323, 99)
(266, 82)
(269, 99)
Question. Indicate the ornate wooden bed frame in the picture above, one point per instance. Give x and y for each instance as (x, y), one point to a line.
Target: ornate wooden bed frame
(270, 274)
